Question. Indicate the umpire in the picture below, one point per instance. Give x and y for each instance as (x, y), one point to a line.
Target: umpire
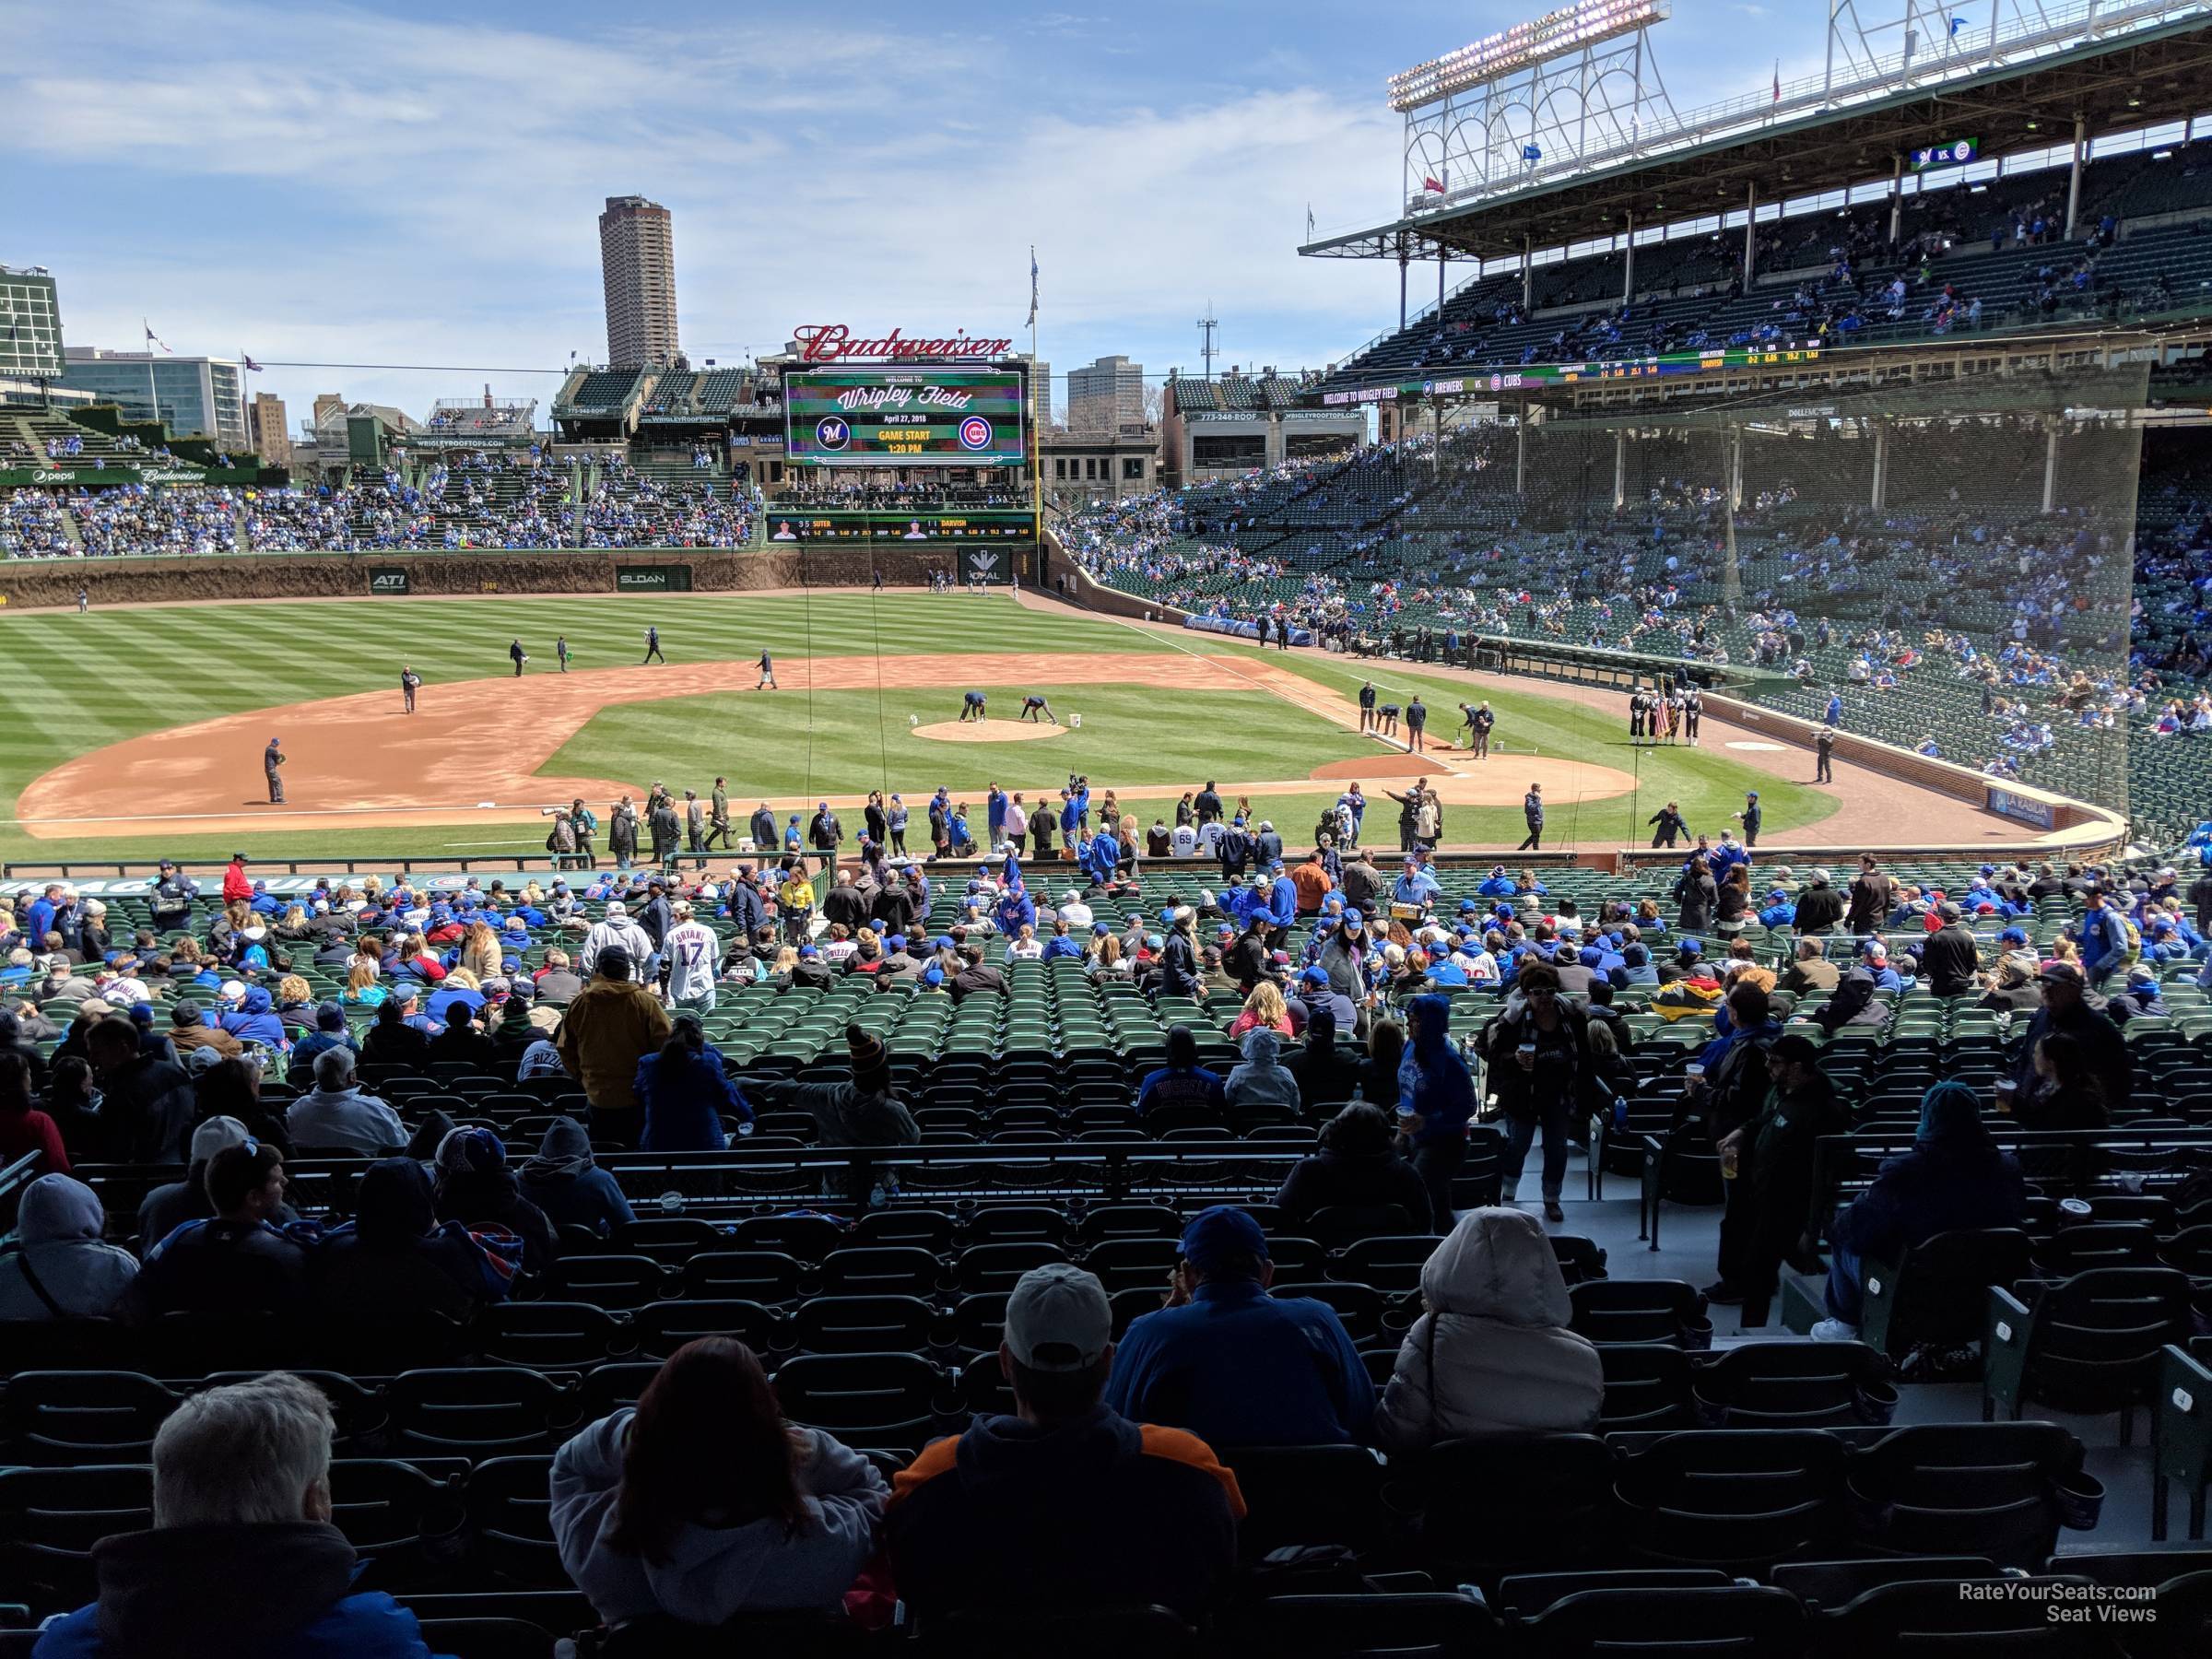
(271, 758)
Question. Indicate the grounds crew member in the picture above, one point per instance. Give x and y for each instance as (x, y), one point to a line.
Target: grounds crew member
(695, 827)
(271, 758)
(718, 818)
(515, 651)
(1532, 808)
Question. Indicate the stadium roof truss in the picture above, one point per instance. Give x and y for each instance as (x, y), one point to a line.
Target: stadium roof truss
(1566, 141)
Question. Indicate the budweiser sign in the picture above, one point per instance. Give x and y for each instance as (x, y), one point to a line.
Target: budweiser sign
(826, 342)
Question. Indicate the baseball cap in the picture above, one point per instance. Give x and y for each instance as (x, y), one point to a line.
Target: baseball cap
(217, 1133)
(1218, 1234)
(614, 907)
(1315, 975)
(1058, 1319)
(1793, 1045)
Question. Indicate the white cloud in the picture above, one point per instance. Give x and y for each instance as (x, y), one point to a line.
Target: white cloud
(425, 191)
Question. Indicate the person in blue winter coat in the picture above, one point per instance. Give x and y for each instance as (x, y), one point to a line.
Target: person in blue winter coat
(1956, 1177)
(1835, 710)
(1016, 909)
(1183, 1081)
(1099, 857)
(1779, 911)
(1436, 1100)
(2105, 945)
(255, 1020)
(1234, 1365)
(1282, 907)
(1498, 884)
(685, 1093)
(240, 1503)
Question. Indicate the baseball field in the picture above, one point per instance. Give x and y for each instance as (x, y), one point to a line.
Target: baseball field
(135, 733)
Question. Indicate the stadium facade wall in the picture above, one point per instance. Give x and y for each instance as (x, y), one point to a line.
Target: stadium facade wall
(34, 583)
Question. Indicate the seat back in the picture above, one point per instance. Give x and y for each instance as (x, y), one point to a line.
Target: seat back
(2095, 1338)
(1936, 1294)
(1558, 1483)
(1749, 1622)
(1731, 1500)
(1979, 1489)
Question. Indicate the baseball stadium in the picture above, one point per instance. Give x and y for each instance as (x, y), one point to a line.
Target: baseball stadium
(798, 1010)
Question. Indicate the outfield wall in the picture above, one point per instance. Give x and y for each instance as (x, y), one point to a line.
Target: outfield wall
(30, 583)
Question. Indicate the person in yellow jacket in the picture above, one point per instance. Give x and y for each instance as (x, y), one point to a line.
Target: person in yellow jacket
(795, 901)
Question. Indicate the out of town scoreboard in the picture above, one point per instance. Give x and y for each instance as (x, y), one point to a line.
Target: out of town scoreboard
(904, 418)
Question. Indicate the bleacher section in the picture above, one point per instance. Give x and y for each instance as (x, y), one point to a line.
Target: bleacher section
(1969, 258)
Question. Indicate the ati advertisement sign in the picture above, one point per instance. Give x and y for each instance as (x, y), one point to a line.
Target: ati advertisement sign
(833, 342)
(1009, 529)
(903, 418)
(387, 579)
(653, 579)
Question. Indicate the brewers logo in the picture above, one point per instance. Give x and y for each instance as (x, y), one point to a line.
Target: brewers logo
(831, 433)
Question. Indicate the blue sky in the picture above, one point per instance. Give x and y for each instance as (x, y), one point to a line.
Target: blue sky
(418, 184)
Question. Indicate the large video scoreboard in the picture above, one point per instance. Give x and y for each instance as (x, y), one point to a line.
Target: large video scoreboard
(904, 418)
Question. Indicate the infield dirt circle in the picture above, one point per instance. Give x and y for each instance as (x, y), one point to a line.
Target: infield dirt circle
(359, 760)
(986, 731)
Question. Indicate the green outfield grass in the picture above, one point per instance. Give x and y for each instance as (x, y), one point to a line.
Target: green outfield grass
(69, 684)
(846, 742)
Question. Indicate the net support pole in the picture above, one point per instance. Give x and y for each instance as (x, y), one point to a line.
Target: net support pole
(1897, 197)
(2050, 466)
(1881, 465)
(1620, 467)
(2081, 144)
(1628, 263)
(1443, 258)
(1528, 276)
(1750, 226)
(1520, 450)
(1403, 262)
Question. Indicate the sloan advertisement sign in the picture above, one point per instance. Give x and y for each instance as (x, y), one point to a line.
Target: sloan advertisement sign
(833, 342)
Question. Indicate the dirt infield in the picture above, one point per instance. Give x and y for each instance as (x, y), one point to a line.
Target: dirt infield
(986, 731)
(359, 761)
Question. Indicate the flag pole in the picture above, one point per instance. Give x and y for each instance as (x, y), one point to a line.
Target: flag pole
(152, 395)
(1042, 416)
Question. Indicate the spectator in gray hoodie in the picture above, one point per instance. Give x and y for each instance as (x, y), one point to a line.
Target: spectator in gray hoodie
(1263, 1079)
(703, 1503)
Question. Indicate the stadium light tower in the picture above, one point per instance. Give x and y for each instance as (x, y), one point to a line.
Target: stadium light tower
(1536, 96)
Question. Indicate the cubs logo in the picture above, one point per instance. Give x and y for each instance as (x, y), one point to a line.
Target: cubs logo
(976, 433)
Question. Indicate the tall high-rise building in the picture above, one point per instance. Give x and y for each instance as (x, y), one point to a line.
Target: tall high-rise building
(1041, 396)
(637, 261)
(271, 442)
(1106, 395)
(198, 397)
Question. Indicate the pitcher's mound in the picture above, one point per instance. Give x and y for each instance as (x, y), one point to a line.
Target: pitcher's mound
(986, 731)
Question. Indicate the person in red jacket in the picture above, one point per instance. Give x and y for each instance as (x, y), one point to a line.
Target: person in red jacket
(24, 1128)
(236, 887)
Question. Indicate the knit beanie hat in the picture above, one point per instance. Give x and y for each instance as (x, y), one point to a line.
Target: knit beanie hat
(871, 1061)
(1949, 1111)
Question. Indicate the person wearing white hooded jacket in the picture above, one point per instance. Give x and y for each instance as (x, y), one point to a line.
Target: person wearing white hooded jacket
(1263, 1079)
(60, 1268)
(702, 1503)
(1492, 1354)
